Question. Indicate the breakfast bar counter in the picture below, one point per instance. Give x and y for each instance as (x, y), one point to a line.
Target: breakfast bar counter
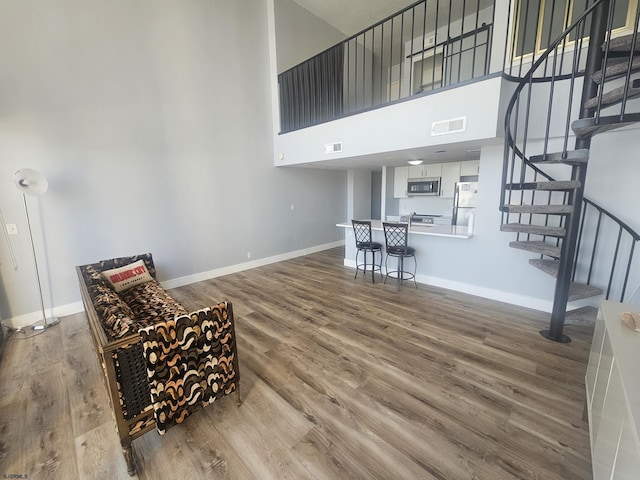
(440, 253)
(451, 231)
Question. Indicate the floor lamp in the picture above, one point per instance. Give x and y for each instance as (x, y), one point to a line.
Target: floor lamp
(33, 183)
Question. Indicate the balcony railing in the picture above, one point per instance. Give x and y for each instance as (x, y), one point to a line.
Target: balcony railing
(427, 46)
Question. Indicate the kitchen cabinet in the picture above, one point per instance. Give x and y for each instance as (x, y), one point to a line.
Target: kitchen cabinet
(471, 167)
(613, 395)
(416, 171)
(450, 175)
(421, 171)
(400, 177)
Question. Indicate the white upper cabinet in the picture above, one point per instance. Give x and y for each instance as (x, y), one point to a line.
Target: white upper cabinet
(420, 171)
(400, 176)
(433, 170)
(450, 175)
(471, 167)
(416, 171)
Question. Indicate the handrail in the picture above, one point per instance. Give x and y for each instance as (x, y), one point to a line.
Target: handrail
(451, 40)
(635, 235)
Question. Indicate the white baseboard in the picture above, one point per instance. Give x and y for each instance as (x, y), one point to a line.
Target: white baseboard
(27, 319)
(490, 293)
(219, 272)
(21, 321)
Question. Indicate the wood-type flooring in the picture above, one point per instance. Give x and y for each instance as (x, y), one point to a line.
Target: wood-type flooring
(340, 378)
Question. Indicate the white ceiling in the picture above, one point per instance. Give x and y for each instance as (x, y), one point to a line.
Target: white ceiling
(351, 16)
(460, 151)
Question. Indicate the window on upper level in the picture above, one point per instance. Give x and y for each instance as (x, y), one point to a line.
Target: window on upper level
(539, 22)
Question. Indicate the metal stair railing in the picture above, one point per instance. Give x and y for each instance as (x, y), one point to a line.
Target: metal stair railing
(427, 46)
(554, 76)
(605, 254)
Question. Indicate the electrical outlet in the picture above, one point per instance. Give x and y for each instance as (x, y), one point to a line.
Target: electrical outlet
(12, 229)
(248, 254)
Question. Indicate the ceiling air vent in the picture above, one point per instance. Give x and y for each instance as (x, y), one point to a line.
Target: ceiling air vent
(332, 148)
(444, 127)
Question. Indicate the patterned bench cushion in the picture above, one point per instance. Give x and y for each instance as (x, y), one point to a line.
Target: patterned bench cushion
(150, 303)
(117, 318)
(190, 362)
(127, 312)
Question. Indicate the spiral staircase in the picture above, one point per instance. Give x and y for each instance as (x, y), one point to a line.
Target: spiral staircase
(588, 79)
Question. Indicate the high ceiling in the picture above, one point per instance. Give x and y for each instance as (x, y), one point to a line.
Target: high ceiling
(351, 16)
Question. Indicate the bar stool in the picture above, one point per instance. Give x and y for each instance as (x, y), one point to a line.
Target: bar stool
(364, 243)
(395, 237)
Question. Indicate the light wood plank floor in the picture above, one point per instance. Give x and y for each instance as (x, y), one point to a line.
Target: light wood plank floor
(340, 379)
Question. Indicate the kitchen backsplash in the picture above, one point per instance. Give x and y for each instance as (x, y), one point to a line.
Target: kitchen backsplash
(426, 205)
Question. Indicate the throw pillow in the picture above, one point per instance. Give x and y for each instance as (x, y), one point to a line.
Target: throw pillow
(127, 276)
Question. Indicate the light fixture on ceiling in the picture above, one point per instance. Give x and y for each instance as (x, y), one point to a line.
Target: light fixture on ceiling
(414, 162)
(33, 183)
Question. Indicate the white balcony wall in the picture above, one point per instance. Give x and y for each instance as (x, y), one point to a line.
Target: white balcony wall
(400, 126)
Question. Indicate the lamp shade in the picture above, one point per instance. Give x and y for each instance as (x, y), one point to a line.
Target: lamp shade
(30, 181)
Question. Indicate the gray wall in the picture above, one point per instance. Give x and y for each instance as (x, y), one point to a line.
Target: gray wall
(358, 194)
(376, 195)
(300, 34)
(152, 122)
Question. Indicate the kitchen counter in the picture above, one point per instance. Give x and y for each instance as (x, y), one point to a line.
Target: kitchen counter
(451, 231)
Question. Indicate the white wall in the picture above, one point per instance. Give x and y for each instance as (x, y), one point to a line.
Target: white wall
(152, 122)
(400, 126)
(300, 34)
(358, 194)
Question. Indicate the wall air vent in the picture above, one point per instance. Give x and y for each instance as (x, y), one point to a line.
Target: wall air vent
(429, 42)
(444, 127)
(332, 148)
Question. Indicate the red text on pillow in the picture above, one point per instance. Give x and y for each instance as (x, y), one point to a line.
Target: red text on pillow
(134, 272)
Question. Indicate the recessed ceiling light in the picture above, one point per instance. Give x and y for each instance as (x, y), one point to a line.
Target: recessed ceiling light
(414, 162)
(440, 151)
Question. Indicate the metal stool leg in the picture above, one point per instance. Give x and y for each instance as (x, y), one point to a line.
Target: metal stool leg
(400, 272)
(373, 264)
(415, 269)
(386, 268)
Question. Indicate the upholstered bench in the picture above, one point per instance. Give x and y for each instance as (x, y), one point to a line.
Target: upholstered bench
(138, 330)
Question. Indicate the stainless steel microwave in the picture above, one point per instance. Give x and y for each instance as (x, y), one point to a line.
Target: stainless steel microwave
(423, 186)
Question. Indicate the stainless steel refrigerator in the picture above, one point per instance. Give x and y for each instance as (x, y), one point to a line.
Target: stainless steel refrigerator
(464, 203)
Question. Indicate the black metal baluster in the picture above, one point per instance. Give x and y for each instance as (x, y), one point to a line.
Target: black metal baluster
(435, 50)
(475, 41)
(401, 56)
(595, 246)
(628, 270)
(464, 12)
(424, 36)
(579, 242)
(613, 264)
(627, 79)
(413, 24)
